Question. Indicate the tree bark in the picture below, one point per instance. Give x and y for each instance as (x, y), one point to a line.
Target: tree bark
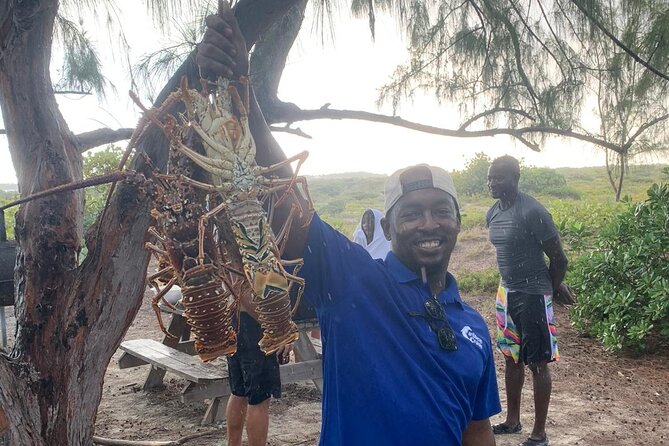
(3, 422)
(255, 17)
(71, 315)
(96, 138)
(268, 60)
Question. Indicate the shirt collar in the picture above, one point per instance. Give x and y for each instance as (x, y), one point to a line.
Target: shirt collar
(405, 275)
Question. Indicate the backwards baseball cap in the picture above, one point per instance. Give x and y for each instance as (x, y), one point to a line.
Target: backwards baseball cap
(421, 176)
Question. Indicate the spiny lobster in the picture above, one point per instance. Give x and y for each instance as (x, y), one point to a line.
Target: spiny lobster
(191, 258)
(218, 120)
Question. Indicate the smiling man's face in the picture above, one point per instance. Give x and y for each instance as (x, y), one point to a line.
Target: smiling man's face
(423, 227)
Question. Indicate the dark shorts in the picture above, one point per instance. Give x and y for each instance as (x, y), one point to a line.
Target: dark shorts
(526, 327)
(252, 374)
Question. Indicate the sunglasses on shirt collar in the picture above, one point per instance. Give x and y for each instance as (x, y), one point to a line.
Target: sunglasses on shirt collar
(435, 314)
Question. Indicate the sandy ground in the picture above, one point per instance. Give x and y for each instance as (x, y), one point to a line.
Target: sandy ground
(598, 399)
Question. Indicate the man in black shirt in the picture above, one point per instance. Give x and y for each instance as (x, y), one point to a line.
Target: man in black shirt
(522, 231)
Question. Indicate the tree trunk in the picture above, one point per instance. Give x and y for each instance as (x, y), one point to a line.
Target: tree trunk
(268, 60)
(621, 176)
(71, 315)
(3, 423)
(615, 172)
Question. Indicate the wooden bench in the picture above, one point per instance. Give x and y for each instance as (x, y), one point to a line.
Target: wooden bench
(172, 360)
(207, 381)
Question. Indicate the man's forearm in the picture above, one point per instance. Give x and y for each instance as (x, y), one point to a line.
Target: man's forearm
(557, 270)
(557, 267)
(268, 151)
(478, 433)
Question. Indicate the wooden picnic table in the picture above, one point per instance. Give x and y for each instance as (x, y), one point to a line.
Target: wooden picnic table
(207, 381)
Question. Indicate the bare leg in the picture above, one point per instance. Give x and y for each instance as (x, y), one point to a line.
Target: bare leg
(514, 377)
(257, 423)
(543, 384)
(235, 414)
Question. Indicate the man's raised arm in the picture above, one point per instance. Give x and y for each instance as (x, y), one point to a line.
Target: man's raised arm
(223, 52)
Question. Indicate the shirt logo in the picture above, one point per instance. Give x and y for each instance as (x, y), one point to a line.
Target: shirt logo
(468, 333)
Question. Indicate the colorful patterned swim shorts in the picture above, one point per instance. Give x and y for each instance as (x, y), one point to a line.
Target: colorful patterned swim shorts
(510, 338)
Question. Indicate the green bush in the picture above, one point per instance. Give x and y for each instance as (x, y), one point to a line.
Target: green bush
(96, 164)
(623, 283)
(536, 179)
(545, 181)
(10, 214)
(473, 180)
(473, 217)
(485, 281)
(580, 222)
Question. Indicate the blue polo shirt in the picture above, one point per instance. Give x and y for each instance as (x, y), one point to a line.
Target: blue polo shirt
(386, 380)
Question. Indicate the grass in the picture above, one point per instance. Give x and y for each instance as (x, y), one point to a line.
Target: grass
(479, 282)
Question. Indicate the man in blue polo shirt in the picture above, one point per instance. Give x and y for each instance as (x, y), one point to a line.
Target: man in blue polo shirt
(405, 361)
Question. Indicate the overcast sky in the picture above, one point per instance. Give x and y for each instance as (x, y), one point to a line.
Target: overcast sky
(345, 73)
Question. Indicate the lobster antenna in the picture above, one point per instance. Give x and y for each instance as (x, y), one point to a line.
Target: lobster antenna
(102, 179)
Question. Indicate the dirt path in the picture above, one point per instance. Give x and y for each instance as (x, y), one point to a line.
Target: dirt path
(598, 399)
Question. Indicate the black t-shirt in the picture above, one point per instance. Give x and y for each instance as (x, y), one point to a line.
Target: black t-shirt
(517, 234)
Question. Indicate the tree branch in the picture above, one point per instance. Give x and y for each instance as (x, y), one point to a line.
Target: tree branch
(643, 128)
(99, 137)
(180, 441)
(80, 92)
(6, 25)
(618, 43)
(492, 111)
(269, 56)
(293, 131)
(518, 133)
(256, 16)
(531, 32)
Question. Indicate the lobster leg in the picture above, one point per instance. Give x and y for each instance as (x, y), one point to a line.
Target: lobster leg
(198, 184)
(282, 236)
(245, 145)
(286, 186)
(153, 277)
(154, 304)
(215, 166)
(202, 224)
(156, 234)
(300, 157)
(155, 249)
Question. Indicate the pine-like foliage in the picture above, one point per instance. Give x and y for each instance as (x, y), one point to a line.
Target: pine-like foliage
(537, 62)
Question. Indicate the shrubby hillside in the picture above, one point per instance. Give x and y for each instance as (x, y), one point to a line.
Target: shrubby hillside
(569, 193)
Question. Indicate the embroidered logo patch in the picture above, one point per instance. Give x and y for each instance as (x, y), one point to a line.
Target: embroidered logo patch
(468, 333)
